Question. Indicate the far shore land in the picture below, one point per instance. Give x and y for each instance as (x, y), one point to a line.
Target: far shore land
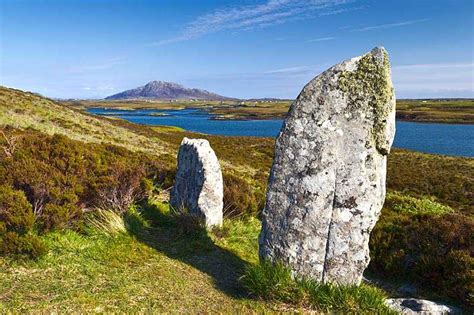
(450, 111)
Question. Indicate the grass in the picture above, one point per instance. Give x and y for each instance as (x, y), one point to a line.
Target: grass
(152, 267)
(156, 264)
(275, 282)
(460, 111)
(27, 110)
(148, 269)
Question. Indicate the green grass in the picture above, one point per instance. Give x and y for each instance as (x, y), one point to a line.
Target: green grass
(152, 267)
(275, 282)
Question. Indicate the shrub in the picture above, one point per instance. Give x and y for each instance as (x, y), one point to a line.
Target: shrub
(434, 251)
(59, 216)
(240, 197)
(447, 178)
(120, 187)
(14, 244)
(61, 177)
(399, 202)
(16, 223)
(15, 211)
(275, 282)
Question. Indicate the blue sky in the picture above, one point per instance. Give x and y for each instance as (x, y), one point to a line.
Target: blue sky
(91, 49)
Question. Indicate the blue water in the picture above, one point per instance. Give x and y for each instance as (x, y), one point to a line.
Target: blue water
(447, 139)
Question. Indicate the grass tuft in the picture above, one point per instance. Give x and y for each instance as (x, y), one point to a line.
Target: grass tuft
(107, 222)
(275, 282)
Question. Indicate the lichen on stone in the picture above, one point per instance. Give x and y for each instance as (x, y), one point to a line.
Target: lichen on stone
(368, 88)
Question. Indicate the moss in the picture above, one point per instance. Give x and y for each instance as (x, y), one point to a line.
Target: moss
(370, 84)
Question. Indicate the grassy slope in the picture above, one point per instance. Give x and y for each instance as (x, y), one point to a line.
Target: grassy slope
(446, 178)
(442, 111)
(27, 110)
(132, 272)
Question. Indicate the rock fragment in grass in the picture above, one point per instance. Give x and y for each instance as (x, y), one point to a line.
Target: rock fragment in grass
(419, 306)
(198, 186)
(327, 183)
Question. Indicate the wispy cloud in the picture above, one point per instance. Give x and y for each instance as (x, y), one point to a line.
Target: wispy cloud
(389, 25)
(432, 66)
(339, 11)
(103, 65)
(248, 17)
(322, 39)
(431, 79)
(288, 70)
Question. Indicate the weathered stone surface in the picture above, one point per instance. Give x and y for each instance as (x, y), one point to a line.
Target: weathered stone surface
(418, 306)
(198, 185)
(327, 183)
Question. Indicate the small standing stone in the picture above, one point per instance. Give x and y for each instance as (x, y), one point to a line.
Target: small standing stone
(327, 183)
(198, 185)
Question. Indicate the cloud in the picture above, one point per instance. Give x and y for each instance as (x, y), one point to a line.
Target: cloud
(431, 66)
(99, 88)
(103, 65)
(288, 70)
(339, 11)
(389, 25)
(322, 39)
(422, 80)
(248, 17)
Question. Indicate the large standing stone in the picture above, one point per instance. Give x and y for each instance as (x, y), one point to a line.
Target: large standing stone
(198, 185)
(327, 183)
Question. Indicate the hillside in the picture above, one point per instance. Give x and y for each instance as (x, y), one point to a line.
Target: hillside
(146, 258)
(166, 91)
(28, 110)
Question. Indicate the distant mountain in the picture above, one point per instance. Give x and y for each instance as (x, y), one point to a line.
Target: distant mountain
(166, 90)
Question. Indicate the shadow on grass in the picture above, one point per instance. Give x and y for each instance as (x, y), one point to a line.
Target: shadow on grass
(180, 239)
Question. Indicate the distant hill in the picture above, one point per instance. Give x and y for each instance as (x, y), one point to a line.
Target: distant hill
(166, 90)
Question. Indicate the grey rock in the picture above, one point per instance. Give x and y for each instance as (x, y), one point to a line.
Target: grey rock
(418, 306)
(327, 183)
(198, 185)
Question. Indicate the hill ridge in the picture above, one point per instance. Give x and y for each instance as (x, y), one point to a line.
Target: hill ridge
(166, 90)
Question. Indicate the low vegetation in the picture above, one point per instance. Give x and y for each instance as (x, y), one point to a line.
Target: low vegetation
(83, 226)
(275, 282)
(425, 243)
(459, 111)
(158, 264)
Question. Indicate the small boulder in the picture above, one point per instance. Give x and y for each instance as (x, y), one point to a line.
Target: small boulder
(198, 186)
(327, 182)
(419, 306)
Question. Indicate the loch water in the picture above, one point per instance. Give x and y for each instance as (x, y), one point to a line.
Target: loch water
(446, 139)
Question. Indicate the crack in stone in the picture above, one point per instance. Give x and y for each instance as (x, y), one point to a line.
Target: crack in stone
(329, 230)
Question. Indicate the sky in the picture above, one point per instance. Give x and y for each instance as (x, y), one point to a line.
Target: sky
(244, 49)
